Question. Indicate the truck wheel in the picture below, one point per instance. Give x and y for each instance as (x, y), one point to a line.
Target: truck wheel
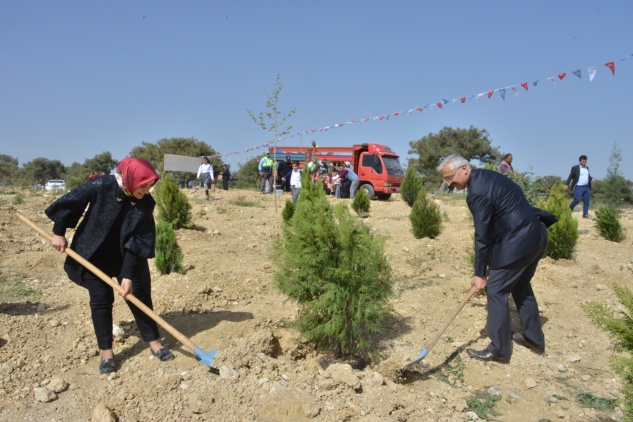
(369, 190)
(384, 196)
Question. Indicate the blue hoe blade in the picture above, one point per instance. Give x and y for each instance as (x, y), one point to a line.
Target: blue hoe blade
(205, 358)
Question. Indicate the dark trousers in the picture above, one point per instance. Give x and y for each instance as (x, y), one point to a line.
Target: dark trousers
(581, 193)
(513, 281)
(102, 299)
(225, 183)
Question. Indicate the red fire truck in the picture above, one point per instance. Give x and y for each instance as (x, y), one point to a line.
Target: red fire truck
(377, 166)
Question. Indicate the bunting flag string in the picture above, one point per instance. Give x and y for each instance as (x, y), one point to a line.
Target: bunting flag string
(591, 71)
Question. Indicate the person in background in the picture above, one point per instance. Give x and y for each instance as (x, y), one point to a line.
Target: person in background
(282, 169)
(510, 239)
(266, 167)
(314, 167)
(117, 235)
(226, 176)
(205, 174)
(579, 181)
(353, 177)
(294, 178)
(506, 165)
(336, 181)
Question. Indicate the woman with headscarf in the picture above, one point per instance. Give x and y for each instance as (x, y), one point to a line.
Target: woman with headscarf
(117, 235)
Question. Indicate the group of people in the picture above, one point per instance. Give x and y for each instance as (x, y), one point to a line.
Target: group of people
(339, 180)
(207, 179)
(117, 234)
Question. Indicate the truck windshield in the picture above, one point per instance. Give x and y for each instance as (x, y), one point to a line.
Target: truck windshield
(393, 166)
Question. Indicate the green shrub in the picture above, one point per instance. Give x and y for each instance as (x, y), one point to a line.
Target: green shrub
(620, 325)
(18, 199)
(361, 203)
(564, 234)
(425, 217)
(288, 211)
(173, 205)
(331, 264)
(609, 225)
(411, 185)
(168, 254)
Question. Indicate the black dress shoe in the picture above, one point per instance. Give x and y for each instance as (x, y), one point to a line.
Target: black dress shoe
(106, 366)
(520, 339)
(487, 356)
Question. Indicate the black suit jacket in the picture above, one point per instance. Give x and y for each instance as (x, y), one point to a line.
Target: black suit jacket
(137, 228)
(507, 230)
(574, 175)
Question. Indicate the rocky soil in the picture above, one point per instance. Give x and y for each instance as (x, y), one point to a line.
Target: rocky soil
(264, 370)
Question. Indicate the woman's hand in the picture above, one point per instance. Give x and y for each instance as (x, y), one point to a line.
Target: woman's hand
(126, 285)
(59, 242)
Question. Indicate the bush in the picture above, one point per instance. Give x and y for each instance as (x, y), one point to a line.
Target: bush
(564, 234)
(173, 205)
(621, 328)
(609, 224)
(168, 253)
(288, 211)
(331, 264)
(425, 217)
(361, 203)
(411, 185)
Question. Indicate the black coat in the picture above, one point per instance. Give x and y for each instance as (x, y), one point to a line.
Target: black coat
(137, 230)
(574, 175)
(507, 230)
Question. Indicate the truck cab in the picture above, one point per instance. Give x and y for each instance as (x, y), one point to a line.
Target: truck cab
(378, 169)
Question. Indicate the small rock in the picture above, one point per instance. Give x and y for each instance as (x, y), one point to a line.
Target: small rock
(405, 249)
(530, 383)
(311, 410)
(494, 391)
(442, 276)
(513, 397)
(600, 287)
(57, 385)
(561, 368)
(573, 358)
(41, 307)
(44, 395)
(117, 331)
(101, 413)
(585, 377)
(472, 416)
(53, 323)
(228, 373)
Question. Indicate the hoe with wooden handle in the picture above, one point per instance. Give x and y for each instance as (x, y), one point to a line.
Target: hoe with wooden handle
(439, 333)
(205, 358)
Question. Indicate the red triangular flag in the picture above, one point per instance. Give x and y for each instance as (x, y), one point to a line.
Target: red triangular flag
(525, 85)
(490, 93)
(561, 76)
(611, 66)
(439, 105)
(463, 99)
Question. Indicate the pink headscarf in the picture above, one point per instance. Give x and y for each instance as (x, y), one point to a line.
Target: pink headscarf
(136, 172)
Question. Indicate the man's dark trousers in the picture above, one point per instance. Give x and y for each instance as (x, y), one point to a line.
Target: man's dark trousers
(514, 280)
(581, 193)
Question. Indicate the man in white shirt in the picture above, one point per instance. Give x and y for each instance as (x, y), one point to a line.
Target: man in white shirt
(579, 181)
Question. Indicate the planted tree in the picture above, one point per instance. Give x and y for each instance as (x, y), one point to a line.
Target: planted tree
(173, 206)
(333, 266)
(361, 203)
(609, 224)
(411, 185)
(168, 254)
(288, 211)
(620, 325)
(564, 234)
(425, 217)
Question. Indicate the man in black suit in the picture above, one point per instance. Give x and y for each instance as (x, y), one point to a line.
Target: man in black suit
(509, 241)
(579, 181)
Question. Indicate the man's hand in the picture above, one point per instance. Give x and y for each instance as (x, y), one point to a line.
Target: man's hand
(479, 283)
(565, 187)
(126, 285)
(59, 242)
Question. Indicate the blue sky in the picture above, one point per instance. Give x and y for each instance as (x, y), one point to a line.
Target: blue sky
(78, 78)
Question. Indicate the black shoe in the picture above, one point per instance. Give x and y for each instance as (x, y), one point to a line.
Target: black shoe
(521, 340)
(163, 354)
(487, 356)
(106, 366)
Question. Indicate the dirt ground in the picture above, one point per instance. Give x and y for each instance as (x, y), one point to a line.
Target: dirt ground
(264, 370)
